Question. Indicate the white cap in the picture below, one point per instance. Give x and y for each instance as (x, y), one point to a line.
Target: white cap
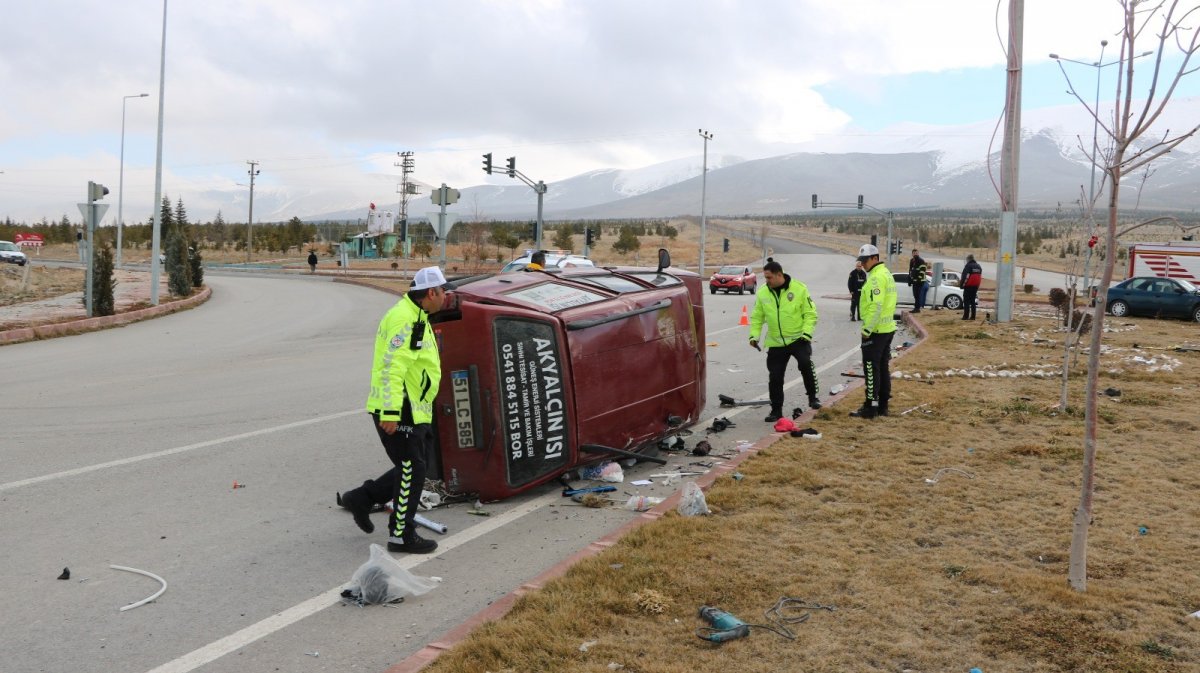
(430, 276)
(867, 250)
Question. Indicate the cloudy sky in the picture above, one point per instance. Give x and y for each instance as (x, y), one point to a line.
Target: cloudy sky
(324, 94)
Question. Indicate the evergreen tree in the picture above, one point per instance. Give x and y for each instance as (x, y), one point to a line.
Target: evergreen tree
(196, 262)
(179, 271)
(627, 242)
(563, 239)
(103, 282)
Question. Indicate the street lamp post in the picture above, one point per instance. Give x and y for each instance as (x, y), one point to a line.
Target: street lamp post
(121, 182)
(1099, 65)
(703, 195)
(254, 171)
(156, 233)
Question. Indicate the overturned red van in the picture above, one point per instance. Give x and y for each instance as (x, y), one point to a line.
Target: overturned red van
(547, 370)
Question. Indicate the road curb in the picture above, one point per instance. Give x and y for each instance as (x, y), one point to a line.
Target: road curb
(80, 326)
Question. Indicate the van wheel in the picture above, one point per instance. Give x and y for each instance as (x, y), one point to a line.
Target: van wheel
(1118, 308)
(953, 302)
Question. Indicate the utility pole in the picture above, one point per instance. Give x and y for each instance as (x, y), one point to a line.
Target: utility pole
(1009, 164)
(250, 221)
(406, 164)
(703, 195)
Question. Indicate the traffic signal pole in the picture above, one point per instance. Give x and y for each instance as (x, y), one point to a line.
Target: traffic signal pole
(891, 249)
(538, 187)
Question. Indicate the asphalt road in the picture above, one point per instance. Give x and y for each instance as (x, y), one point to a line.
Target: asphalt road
(122, 447)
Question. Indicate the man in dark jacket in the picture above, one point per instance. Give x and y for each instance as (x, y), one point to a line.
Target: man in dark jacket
(972, 277)
(858, 278)
(918, 278)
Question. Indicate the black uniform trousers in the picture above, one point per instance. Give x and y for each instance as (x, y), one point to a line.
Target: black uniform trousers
(854, 296)
(778, 358)
(970, 300)
(877, 352)
(403, 483)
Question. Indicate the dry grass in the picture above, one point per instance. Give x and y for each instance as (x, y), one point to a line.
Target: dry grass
(44, 282)
(926, 577)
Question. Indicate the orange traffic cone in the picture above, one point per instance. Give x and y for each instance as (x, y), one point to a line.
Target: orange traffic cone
(745, 320)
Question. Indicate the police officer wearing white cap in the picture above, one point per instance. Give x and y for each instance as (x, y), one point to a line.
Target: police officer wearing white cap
(876, 308)
(404, 381)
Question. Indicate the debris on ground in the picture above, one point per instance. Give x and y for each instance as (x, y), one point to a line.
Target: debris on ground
(938, 475)
(641, 503)
(382, 580)
(806, 433)
(66, 574)
(722, 424)
(703, 448)
(691, 501)
(1112, 392)
(150, 598)
(588, 645)
(605, 471)
(651, 601)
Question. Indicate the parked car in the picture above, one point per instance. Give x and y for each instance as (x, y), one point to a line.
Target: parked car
(731, 277)
(1155, 297)
(10, 252)
(945, 294)
(553, 260)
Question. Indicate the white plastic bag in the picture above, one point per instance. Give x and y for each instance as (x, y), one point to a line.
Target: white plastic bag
(383, 580)
(691, 501)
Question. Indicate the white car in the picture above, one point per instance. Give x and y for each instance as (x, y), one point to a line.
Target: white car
(947, 295)
(10, 252)
(553, 260)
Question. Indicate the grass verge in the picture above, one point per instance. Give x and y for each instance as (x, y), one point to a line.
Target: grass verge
(966, 571)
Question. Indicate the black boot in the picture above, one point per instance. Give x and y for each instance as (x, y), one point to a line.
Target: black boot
(865, 411)
(356, 502)
(773, 416)
(813, 402)
(413, 544)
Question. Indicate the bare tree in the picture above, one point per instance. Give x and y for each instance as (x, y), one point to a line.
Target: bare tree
(1131, 121)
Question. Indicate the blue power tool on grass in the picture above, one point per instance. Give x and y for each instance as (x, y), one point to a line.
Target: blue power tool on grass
(722, 626)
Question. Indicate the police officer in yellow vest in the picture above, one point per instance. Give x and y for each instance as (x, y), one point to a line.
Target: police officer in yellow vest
(784, 305)
(404, 381)
(876, 307)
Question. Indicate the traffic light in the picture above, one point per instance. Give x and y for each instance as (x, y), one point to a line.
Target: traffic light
(487, 163)
(588, 237)
(860, 202)
(891, 247)
(725, 246)
(512, 167)
(899, 246)
(96, 191)
(814, 200)
(403, 230)
(533, 231)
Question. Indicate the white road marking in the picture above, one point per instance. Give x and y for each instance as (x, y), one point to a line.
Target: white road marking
(280, 620)
(170, 452)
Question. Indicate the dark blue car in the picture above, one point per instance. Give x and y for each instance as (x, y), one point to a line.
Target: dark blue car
(1155, 297)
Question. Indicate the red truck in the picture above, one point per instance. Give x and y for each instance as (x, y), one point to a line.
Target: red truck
(545, 371)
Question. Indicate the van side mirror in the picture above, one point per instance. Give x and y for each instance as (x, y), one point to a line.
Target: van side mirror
(664, 259)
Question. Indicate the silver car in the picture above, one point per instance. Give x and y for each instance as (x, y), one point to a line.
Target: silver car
(947, 295)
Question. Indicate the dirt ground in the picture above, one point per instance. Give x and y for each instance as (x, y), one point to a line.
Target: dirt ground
(43, 282)
(938, 536)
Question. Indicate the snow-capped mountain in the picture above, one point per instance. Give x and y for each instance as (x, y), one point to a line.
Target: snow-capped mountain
(903, 167)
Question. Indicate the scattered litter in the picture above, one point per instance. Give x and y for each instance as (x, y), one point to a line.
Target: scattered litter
(671, 443)
(641, 503)
(797, 412)
(478, 510)
(703, 463)
(1112, 392)
(738, 476)
(616, 566)
(606, 471)
(430, 524)
(237, 485)
(651, 601)
(383, 580)
(641, 482)
(614, 666)
(702, 449)
(727, 401)
(691, 502)
(1195, 614)
(314, 653)
(567, 492)
(734, 371)
(588, 645)
(938, 475)
(784, 425)
(806, 433)
(629, 462)
(591, 500)
(744, 445)
(837, 389)
(975, 670)
(150, 575)
(919, 406)
(721, 424)
(430, 499)
(1142, 530)
(66, 574)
